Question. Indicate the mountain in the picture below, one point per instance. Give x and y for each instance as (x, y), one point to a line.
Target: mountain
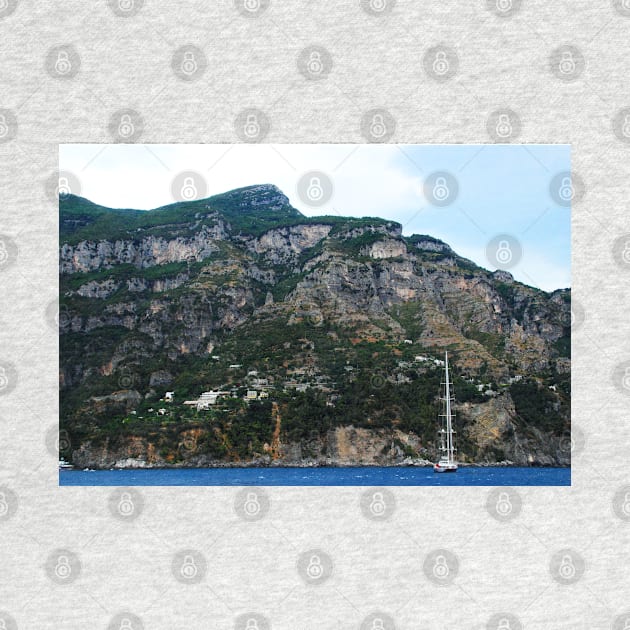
(336, 327)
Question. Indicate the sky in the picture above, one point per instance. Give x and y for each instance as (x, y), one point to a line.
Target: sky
(501, 189)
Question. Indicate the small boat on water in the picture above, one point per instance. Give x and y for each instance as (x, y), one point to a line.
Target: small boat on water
(447, 462)
(63, 464)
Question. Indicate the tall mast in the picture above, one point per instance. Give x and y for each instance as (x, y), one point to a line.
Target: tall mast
(449, 430)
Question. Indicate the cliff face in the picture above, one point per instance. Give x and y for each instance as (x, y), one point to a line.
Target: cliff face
(320, 305)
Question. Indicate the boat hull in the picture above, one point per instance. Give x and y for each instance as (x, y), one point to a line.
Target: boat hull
(445, 469)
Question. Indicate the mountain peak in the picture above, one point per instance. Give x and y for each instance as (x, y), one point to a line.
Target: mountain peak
(260, 196)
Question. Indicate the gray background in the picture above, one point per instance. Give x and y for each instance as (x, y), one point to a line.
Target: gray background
(123, 568)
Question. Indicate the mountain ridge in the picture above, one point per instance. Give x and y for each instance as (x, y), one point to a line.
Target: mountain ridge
(191, 288)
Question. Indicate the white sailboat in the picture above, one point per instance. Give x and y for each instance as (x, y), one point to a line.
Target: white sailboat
(447, 461)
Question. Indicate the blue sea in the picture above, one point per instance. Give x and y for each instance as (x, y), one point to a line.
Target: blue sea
(356, 476)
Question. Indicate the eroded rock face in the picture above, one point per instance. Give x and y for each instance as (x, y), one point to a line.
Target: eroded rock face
(146, 252)
(389, 248)
(285, 244)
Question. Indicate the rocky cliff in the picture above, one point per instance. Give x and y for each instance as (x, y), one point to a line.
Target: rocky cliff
(344, 317)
